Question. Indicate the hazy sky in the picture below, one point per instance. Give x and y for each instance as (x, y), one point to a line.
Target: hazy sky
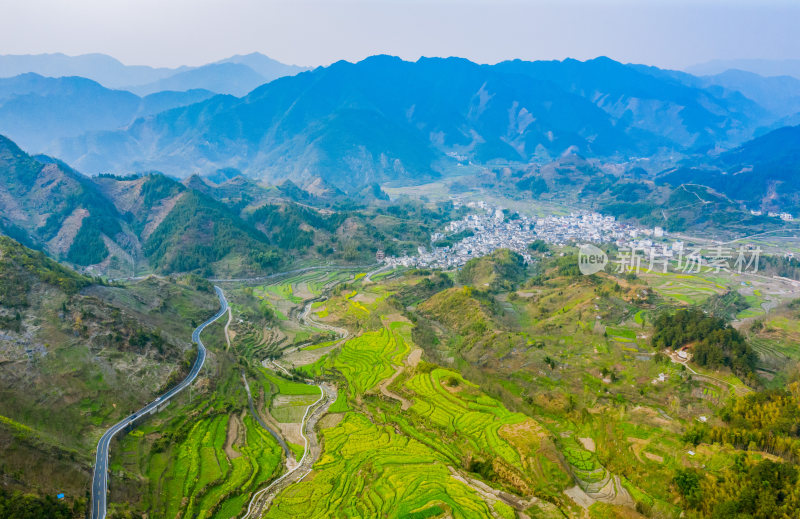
(670, 33)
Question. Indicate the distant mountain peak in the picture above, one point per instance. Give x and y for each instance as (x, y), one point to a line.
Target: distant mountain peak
(235, 75)
(762, 67)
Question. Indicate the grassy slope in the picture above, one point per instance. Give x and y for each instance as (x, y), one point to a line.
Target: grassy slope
(574, 353)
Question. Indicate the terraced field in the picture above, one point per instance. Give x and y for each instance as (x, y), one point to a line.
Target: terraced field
(304, 285)
(467, 422)
(257, 343)
(367, 359)
(415, 439)
(685, 288)
(208, 475)
(584, 465)
(371, 471)
(446, 400)
(401, 464)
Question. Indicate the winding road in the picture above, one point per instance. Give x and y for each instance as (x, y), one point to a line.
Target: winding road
(328, 394)
(100, 478)
(314, 412)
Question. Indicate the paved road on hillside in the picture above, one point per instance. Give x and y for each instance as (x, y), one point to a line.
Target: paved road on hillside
(100, 479)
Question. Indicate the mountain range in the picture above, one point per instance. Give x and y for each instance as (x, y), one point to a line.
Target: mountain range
(764, 173)
(116, 223)
(762, 67)
(37, 111)
(231, 225)
(236, 75)
(386, 119)
(778, 95)
(250, 71)
(378, 120)
(44, 98)
(332, 135)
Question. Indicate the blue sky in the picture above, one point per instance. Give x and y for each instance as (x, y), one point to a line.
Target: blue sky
(668, 33)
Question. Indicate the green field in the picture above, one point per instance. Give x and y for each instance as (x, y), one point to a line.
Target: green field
(685, 288)
(370, 471)
(276, 384)
(198, 478)
(368, 359)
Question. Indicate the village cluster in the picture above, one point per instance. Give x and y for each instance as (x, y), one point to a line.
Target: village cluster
(490, 228)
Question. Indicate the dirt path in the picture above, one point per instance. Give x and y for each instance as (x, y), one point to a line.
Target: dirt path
(722, 384)
(305, 318)
(492, 495)
(404, 403)
(368, 277)
(263, 498)
(411, 360)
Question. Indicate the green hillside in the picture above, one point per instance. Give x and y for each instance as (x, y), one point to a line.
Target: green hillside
(198, 232)
(75, 356)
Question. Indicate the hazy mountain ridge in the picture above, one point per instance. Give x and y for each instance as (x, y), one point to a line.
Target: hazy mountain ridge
(763, 172)
(778, 94)
(640, 101)
(763, 67)
(110, 72)
(98, 67)
(773, 99)
(387, 119)
(35, 110)
(222, 78)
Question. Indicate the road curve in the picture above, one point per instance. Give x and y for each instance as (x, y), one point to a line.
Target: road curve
(100, 478)
(314, 412)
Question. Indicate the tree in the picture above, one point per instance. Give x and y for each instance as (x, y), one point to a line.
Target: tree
(688, 483)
